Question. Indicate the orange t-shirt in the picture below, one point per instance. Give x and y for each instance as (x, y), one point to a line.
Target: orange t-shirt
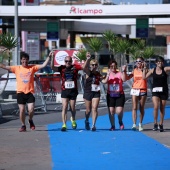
(25, 78)
(139, 82)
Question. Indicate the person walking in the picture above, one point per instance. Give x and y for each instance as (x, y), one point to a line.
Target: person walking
(69, 92)
(91, 90)
(138, 92)
(159, 90)
(25, 87)
(115, 94)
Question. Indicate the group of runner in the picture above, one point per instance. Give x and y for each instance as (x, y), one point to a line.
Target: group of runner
(115, 93)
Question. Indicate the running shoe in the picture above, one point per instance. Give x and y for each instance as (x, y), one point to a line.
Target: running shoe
(155, 128)
(161, 128)
(74, 124)
(134, 127)
(87, 125)
(93, 128)
(140, 127)
(64, 127)
(32, 126)
(112, 128)
(22, 129)
(121, 125)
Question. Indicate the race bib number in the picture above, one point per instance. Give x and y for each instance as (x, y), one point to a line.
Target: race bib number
(135, 92)
(95, 87)
(114, 90)
(157, 89)
(114, 87)
(69, 85)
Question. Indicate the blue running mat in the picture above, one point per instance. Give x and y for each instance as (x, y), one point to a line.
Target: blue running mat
(107, 150)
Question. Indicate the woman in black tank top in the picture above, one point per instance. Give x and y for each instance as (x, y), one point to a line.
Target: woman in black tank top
(159, 90)
(91, 91)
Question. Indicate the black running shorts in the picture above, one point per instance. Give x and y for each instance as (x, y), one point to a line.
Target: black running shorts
(71, 94)
(23, 98)
(115, 101)
(161, 95)
(90, 95)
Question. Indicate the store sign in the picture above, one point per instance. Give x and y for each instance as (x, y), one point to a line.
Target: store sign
(33, 45)
(52, 30)
(142, 27)
(78, 10)
(59, 57)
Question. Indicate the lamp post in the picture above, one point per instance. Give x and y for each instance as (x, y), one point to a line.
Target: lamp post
(16, 54)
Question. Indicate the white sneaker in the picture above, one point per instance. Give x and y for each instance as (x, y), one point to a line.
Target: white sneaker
(140, 127)
(134, 127)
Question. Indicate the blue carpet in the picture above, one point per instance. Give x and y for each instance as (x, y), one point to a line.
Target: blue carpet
(105, 150)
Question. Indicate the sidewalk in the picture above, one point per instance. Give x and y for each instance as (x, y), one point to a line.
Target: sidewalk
(48, 148)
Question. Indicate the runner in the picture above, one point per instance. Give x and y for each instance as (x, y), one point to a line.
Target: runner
(138, 92)
(69, 76)
(25, 87)
(115, 94)
(159, 90)
(91, 91)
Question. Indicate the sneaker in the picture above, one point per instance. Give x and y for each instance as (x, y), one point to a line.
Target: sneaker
(32, 126)
(134, 127)
(155, 128)
(64, 127)
(121, 126)
(112, 128)
(140, 127)
(161, 128)
(87, 125)
(22, 129)
(93, 128)
(74, 124)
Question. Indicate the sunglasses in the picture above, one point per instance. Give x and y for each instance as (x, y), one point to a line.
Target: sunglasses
(68, 61)
(94, 64)
(138, 61)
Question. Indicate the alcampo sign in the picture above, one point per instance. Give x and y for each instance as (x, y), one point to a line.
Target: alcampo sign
(75, 10)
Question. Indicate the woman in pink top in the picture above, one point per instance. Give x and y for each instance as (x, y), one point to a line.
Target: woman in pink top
(115, 94)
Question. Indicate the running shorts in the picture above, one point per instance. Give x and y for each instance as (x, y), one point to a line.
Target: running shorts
(90, 95)
(115, 101)
(71, 94)
(23, 98)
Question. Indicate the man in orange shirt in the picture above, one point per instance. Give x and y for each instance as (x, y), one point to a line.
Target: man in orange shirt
(25, 86)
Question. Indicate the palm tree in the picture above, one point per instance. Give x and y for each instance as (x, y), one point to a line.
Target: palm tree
(122, 46)
(95, 44)
(109, 36)
(7, 43)
(81, 54)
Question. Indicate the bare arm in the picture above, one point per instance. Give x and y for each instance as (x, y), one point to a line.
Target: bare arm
(3, 66)
(46, 61)
(167, 69)
(86, 64)
(52, 64)
(146, 75)
(105, 80)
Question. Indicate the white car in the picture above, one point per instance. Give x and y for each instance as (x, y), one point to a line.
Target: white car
(11, 85)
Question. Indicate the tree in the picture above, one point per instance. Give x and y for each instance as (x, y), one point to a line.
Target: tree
(95, 45)
(110, 36)
(7, 43)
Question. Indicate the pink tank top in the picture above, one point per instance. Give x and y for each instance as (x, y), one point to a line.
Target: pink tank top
(115, 83)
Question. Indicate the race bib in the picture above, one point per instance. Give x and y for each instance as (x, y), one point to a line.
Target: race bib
(114, 87)
(135, 92)
(95, 87)
(157, 89)
(114, 90)
(69, 84)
